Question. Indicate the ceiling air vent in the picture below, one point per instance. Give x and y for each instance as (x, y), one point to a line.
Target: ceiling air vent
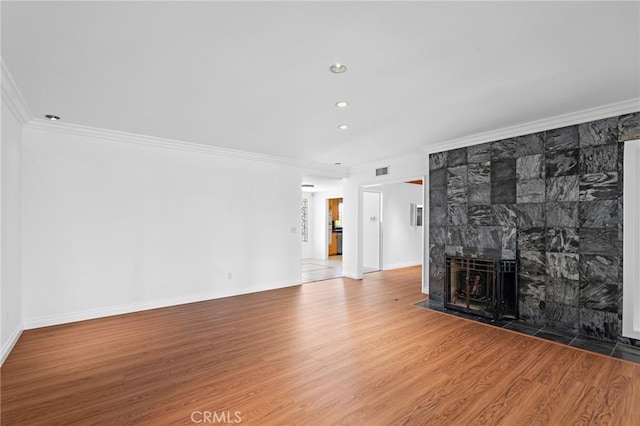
(382, 171)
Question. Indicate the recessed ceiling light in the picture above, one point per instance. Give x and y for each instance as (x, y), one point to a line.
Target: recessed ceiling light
(342, 104)
(338, 68)
(52, 117)
(308, 185)
(337, 164)
(343, 126)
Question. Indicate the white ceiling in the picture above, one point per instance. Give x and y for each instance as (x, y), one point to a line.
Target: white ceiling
(254, 76)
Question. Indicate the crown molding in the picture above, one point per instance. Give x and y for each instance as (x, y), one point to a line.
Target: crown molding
(12, 96)
(118, 136)
(583, 116)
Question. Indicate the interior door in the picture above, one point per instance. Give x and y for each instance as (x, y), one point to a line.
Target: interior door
(371, 232)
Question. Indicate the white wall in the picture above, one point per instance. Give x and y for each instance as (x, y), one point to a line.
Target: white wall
(402, 168)
(112, 227)
(10, 233)
(402, 241)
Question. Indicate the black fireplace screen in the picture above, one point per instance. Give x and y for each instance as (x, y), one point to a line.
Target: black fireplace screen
(482, 286)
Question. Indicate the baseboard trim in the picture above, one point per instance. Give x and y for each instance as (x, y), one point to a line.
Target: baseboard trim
(141, 306)
(8, 346)
(400, 265)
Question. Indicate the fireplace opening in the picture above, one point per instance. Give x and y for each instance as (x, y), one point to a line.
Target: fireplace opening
(483, 287)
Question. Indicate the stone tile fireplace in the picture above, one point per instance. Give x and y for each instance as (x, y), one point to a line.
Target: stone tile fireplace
(550, 202)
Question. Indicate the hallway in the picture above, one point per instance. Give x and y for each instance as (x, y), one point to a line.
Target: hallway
(321, 269)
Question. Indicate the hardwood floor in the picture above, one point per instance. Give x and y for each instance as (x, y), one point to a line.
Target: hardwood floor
(336, 352)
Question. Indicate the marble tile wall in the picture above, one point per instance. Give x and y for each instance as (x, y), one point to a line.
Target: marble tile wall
(553, 200)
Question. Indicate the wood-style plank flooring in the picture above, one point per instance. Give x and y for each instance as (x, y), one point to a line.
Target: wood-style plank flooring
(331, 352)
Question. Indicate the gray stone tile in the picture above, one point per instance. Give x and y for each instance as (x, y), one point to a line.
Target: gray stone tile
(457, 195)
(530, 144)
(503, 192)
(457, 214)
(531, 239)
(437, 234)
(599, 268)
(530, 215)
(436, 255)
(532, 263)
(504, 214)
(437, 160)
(504, 169)
(455, 235)
(437, 215)
(489, 237)
(599, 240)
(530, 191)
(479, 173)
(532, 287)
(593, 345)
(456, 177)
(562, 163)
(509, 240)
(530, 167)
(620, 167)
(601, 324)
(532, 310)
(480, 215)
(627, 356)
(523, 327)
(629, 127)
(479, 195)
(479, 153)
(562, 139)
(561, 316)
(599, 186)
(599, 214)
(507, 254)
(563, 291)
(454, 250)
(599, 159)
(563, 188)
(599, 296)
(563, 265)
(438, 197)
(470, 236)
(488, 253)
(456, 157)
(436, 283)
(599, 132)
(562, 215)
(563, 240)
(503, 149)
(438, 178)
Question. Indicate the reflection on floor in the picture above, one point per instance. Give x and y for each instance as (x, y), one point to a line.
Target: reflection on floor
(321, 269)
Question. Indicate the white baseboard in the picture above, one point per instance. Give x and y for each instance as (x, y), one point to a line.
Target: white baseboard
(401, 265)
(140, 306)
(10, 343)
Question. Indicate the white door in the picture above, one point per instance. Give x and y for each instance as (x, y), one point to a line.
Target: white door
(371, 208)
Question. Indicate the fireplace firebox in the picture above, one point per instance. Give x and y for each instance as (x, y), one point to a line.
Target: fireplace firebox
(485, 287)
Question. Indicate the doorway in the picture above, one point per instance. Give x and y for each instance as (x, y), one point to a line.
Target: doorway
(334, 227)
(322, 252)
(371, 231)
